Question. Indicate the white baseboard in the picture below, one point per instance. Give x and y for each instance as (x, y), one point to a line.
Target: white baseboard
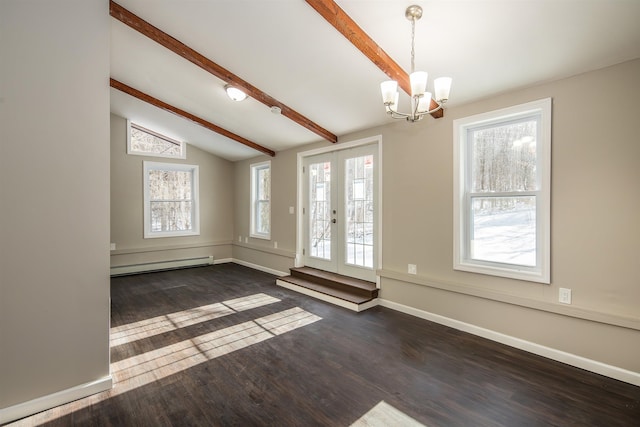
(259, 267)
(550, 353)
(160, 265)
(43, 403)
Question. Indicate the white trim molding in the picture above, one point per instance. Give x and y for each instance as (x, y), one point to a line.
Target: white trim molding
(550, 353)
(62, 397)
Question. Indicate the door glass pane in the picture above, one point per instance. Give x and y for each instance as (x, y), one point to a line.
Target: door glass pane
(320, 210)
(503, 229)
(359, 211)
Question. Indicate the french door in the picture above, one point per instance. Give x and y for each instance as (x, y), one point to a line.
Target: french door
(340, 211)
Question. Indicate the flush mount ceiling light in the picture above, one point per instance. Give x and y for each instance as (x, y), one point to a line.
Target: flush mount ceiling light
(420, 98)
(234, 93)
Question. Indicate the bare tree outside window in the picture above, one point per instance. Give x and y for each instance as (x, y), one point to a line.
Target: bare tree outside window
(504, 162)
(502, 192)
(170, 199)
(146, 142)
(261, 200)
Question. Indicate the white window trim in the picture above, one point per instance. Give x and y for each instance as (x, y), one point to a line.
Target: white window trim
(542, 272)
(195, 231)
(254, 168)
(130, 150)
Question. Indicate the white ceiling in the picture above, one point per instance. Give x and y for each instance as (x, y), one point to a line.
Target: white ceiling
(289, 51)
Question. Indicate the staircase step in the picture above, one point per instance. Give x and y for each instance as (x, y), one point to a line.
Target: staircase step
(344, 291)
(337, 281)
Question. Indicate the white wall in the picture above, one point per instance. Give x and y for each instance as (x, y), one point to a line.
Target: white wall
(54, 191)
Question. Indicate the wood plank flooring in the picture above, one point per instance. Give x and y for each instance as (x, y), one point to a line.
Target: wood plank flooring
(224, 346)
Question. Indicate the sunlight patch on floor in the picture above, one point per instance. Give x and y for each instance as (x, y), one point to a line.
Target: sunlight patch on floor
(385, 415)
(143, 369)
(170, 322)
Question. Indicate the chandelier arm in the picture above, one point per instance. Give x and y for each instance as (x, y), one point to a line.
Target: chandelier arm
(396, 114)
(412, 117)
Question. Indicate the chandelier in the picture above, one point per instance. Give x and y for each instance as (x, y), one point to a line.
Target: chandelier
(420, 98)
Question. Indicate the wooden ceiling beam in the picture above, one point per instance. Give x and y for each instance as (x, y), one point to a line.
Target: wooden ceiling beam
(186, 115)
(342, 22)
(176, 46)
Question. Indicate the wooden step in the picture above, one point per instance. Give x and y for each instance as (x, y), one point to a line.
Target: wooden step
(345, 291)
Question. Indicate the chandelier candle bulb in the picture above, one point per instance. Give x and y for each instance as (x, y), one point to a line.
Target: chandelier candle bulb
(418, 81)
(389, 90)
(424, 102)
(442, 86)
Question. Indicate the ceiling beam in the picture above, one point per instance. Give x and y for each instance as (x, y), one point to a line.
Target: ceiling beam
(185, 115)
(342, 22)
(176, 46)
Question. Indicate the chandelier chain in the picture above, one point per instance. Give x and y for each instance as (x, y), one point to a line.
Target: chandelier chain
(413, 42)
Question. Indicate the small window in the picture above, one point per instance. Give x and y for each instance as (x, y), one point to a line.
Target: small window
(145, 142)
(261, 200)
(170, 200)
(502, 192)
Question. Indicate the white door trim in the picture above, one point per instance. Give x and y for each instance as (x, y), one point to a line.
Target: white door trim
(377, 139)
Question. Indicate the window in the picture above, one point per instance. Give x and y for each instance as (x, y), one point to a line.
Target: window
(502, 192)
(170, 200)
(145, 142)
(261, 200)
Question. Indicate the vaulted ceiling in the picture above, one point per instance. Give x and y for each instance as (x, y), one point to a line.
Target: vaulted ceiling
(325, 85)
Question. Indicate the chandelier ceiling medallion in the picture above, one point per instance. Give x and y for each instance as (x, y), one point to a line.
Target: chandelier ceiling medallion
(420, 98)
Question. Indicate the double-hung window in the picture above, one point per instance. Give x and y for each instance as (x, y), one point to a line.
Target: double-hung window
(170, 200)
(502, 192)
(261, 200)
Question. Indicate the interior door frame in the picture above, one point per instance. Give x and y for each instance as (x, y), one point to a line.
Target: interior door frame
(300, 222)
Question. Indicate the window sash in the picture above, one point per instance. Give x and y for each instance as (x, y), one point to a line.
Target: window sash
(260, 226)
(535, 269)
(182, 213)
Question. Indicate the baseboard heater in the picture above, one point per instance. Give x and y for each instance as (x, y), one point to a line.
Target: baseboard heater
(123, 270)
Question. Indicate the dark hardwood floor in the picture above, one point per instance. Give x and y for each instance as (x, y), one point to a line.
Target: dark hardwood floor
(223, 345)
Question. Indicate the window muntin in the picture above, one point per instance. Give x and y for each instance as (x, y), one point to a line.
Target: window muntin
(261, 200)
(145, 142)
(502, 192)
(170, 200)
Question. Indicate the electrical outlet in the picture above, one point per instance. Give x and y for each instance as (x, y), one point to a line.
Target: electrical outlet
(113, 246)
(564, 296)
(246, 240)
(240, 239)
(292, 210)
(412, 269)
(275, 245)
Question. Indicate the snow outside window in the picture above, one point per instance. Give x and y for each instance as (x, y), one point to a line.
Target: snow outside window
(502, 192)
(170, 200)
(261, 200)
(145, 142)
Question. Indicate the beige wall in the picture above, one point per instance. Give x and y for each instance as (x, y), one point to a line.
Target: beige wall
(595, 227)
(283, 224)
(54, 187)
(216, 206)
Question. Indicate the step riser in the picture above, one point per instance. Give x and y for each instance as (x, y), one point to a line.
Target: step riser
(335, 285)
(328, 298)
